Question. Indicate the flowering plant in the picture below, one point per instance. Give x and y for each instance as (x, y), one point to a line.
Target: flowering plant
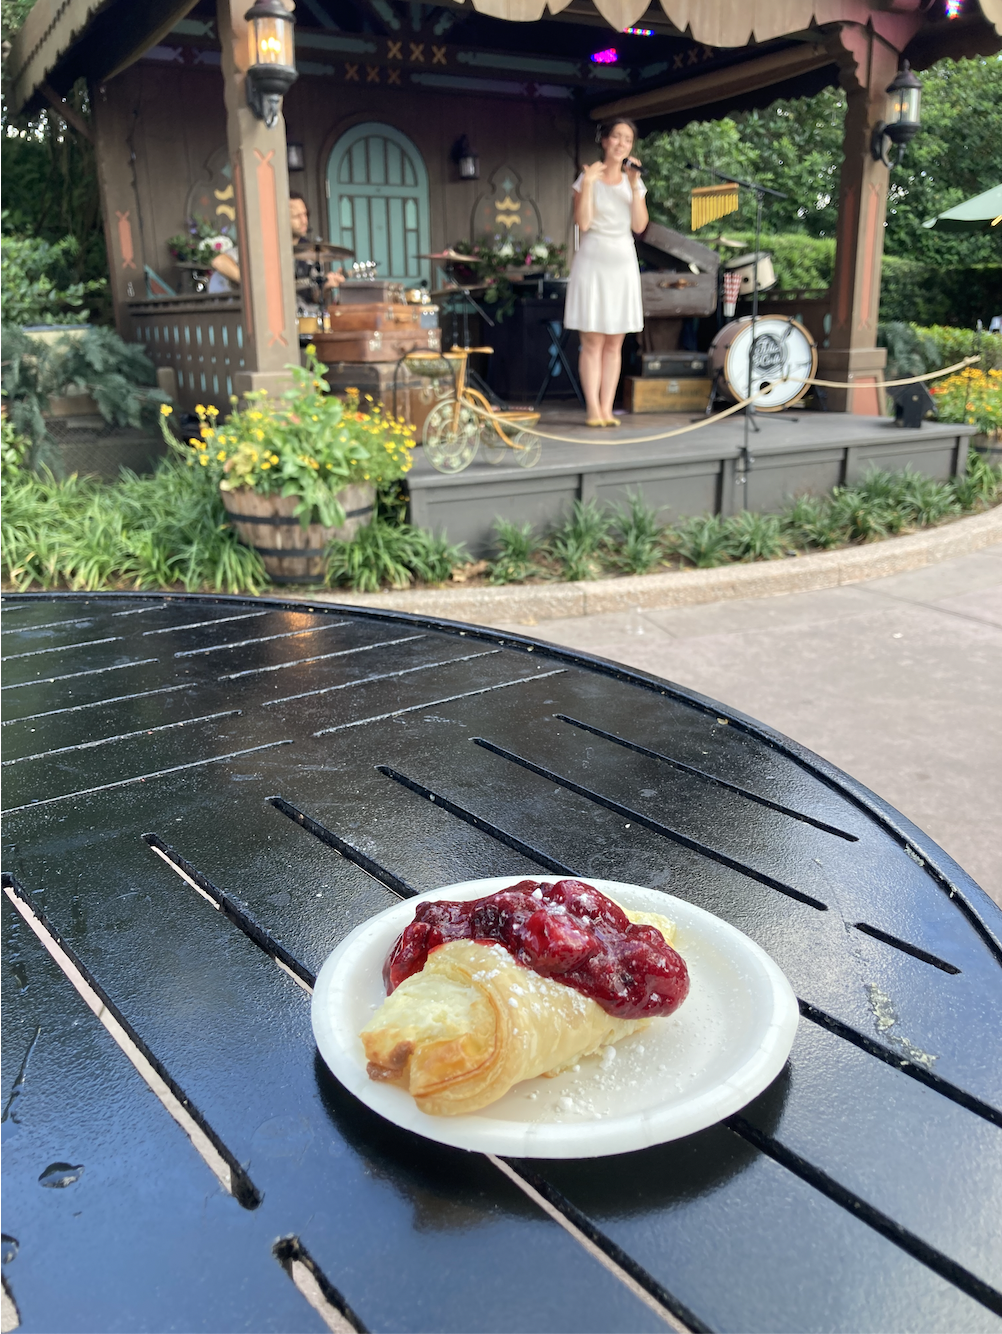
(973, 396)
(309, 444)
(199, 243)
(501, 259)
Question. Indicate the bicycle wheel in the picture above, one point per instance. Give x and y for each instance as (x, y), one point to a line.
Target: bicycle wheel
(530, 451)
(451, 437)
(492, 447)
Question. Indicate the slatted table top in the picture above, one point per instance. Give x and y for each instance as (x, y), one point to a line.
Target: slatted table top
(198, 789)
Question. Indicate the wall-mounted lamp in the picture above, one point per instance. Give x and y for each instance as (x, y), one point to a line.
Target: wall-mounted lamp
(271, 69)
(296, 159)
(466, 160)
(904, 96)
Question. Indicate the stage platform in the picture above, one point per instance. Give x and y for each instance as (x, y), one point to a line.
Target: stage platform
(697, 473)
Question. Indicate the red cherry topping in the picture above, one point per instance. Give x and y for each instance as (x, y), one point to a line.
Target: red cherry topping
(568, 931)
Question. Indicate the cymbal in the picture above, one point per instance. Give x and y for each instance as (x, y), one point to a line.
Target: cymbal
(317, 251)
(455, 257)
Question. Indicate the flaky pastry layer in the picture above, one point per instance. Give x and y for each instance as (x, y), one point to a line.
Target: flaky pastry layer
(474, 1022)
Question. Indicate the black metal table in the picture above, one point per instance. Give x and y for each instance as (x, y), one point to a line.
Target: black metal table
(200, 789)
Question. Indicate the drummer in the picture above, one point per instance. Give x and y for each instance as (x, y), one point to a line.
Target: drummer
(227, 264)
(299, 218)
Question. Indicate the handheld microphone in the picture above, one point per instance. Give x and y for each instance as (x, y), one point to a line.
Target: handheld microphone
(631, 162)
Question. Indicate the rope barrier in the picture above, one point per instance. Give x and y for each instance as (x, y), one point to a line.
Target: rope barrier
(718, 416)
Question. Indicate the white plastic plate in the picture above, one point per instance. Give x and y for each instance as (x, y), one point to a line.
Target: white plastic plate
(721, 1048)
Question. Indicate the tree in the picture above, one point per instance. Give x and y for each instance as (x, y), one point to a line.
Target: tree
(795, 146)
(956, 154)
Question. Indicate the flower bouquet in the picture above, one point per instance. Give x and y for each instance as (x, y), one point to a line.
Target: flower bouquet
(505, 261)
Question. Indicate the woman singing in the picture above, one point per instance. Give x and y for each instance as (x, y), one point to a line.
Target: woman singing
(603, 294)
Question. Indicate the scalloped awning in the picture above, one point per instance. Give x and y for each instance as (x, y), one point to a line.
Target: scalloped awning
(64, 39)
(726, 22)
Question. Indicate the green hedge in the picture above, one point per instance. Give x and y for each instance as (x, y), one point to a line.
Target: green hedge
(909, 291)
(914, 350)
(935, 294)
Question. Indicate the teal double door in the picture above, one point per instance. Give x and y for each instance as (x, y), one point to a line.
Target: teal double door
(377, 185)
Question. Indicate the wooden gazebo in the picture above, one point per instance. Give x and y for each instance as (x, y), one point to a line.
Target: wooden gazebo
(172, 127)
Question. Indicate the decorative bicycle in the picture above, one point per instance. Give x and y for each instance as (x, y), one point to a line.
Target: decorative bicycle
(464, 422)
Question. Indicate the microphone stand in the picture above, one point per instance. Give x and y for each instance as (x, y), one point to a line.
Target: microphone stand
(749, 410)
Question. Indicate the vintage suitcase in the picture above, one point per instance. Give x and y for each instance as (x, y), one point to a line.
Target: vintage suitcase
(679, 294)
(393, 385)
(382, 315)
(656, 395)
(362, 291)
(680, 365)
(376, 344)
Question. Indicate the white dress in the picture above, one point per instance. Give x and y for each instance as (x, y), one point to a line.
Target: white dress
(603, 293)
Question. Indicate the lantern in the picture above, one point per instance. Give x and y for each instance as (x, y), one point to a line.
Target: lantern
(903, 98)
(271, 68)
(467, 161)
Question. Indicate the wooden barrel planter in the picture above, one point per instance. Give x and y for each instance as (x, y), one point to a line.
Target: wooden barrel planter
(291, 553)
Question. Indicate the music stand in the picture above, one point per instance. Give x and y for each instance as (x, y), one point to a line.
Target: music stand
(558, 357)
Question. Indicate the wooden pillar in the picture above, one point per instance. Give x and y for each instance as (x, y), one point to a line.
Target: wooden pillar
(123, 232)
(869, 64)
(261, 181)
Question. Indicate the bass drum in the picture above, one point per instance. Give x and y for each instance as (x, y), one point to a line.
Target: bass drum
(784, 359)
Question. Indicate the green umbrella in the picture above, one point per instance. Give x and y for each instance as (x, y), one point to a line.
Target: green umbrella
(978, 214)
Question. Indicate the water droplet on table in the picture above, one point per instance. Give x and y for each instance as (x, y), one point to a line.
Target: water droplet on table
(58, 1175)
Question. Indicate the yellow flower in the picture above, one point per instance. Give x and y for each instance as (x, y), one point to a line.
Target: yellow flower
(311, 350)
(165, 409)
(265, 466)
(212, 410)
(203, 460)
(221, 455)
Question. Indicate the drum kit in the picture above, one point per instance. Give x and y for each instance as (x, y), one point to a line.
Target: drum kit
(310, 316)
(769, 359)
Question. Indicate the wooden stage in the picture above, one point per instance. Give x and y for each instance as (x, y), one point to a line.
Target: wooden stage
(702, 471)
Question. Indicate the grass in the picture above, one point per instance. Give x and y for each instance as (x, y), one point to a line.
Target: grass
(394, 554)
(578, 544)
(170, 529)
(513, 563)
(633, 539)
(141, 532)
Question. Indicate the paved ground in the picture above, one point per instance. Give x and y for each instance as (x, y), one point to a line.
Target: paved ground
(898, 681)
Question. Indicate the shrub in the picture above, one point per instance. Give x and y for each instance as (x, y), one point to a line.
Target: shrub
(14, 452)
(141, 532)
(638, 543)
(953, 344)
(755, 536)
(980, 486)
(576, 545)
(516, 544)
(810, 522)
(703, 541)
(37, 282)
(973, 396)
(939, 294)
(801, 262)
(118, 375)
(391, 553)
